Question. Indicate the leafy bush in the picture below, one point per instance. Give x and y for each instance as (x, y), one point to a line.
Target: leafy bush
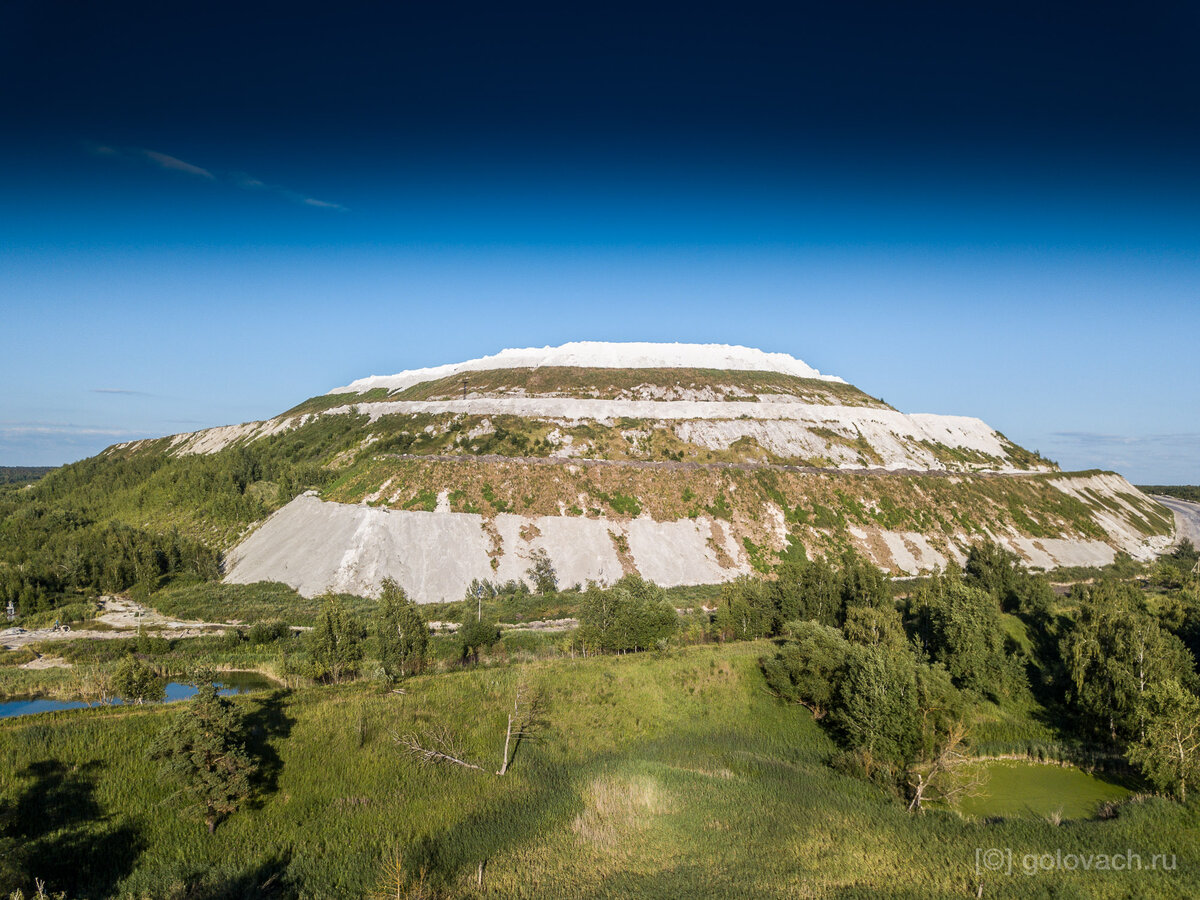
(631, 615)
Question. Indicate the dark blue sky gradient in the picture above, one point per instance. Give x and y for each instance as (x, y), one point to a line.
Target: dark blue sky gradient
(217, 212)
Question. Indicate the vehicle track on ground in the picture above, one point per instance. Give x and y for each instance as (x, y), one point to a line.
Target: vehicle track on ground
(1187, 518)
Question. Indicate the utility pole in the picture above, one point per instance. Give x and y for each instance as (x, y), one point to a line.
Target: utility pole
(464, 387)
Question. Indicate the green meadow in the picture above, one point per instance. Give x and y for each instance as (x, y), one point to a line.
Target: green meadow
(1016, 788)
(648, 775)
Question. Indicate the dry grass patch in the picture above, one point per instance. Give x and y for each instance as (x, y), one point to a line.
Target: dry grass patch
(618, 807)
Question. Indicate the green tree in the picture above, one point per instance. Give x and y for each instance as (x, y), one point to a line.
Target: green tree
(875, 710)
(995, 570)
(201, 752)
(476, 635)
(804, 590)
(1168, 750)
(863, 584)
(335, 645)
(746, 609)
(958, 625)
(633, 614)
(401, 635)
(805, 668)
(875, 627)
(541, 573)
(1115, 652)
(135, 682)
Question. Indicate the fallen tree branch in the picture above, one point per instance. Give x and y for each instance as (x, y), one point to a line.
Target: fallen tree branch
(433, 748)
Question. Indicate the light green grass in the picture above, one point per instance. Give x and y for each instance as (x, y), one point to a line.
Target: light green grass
(654, 776)
(1024, 789)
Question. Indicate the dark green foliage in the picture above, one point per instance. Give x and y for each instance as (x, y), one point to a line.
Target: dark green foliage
(871, 626)
(17, 475)
(631, 615)
(995, 570)
(1180, 614)
(541, 573)
(135, 682)
(48, 554)
(802, 589)
(201, 751)
(334, 648)
(746, 610)
(261, 633)
(140, 516)
(889, 712)
(1177, 568)
(805, 668)
(958, 625)
(875, 712)
(401, 635)
(476, 635)
(808, 590)
(1115, 651)
(1168, 747)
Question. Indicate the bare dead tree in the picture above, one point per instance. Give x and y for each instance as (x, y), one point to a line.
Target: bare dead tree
(523, 722)
(943, 774)
(435, 746)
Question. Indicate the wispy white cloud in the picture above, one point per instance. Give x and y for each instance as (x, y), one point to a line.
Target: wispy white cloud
(26, 429)
(323, 204)
(175, 164)
(1150, 458)
(234, 179)
(1101, 439)
(250, 183)
(120, 391)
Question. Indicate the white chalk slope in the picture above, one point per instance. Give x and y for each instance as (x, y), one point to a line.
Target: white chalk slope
(784, 426)
(316, 545)
(603, 355)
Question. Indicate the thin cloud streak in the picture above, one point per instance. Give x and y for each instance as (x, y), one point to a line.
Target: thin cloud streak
(1170, 458)
(1100, 439)
(120, 391)
(24, 429)
(250, 183)
(172, 163)
(234, 179)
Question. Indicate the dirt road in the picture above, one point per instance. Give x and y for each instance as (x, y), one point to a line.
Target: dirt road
(1187, 518)
(122, 617)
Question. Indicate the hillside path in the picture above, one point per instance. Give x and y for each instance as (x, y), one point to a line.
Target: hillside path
(1187, 518)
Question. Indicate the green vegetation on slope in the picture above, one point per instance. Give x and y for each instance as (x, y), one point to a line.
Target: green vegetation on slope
(568, 381)
(19, 475)
(651, 776)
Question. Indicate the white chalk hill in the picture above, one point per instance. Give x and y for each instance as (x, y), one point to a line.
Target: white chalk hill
(715, 411)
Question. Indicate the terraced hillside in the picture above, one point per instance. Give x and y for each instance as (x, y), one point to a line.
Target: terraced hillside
(620, 458)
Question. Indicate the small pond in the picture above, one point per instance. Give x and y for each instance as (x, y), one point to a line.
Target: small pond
(230, 683)
(1015, 789)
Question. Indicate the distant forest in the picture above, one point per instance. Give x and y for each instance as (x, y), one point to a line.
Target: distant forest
(22, 474)
(1179, 491)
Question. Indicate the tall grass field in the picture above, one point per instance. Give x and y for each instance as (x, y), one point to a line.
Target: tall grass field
(646, 775)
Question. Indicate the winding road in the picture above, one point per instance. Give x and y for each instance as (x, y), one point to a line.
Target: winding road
(1187, 518)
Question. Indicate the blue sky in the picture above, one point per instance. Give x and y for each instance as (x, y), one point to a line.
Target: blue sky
(185, 243)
